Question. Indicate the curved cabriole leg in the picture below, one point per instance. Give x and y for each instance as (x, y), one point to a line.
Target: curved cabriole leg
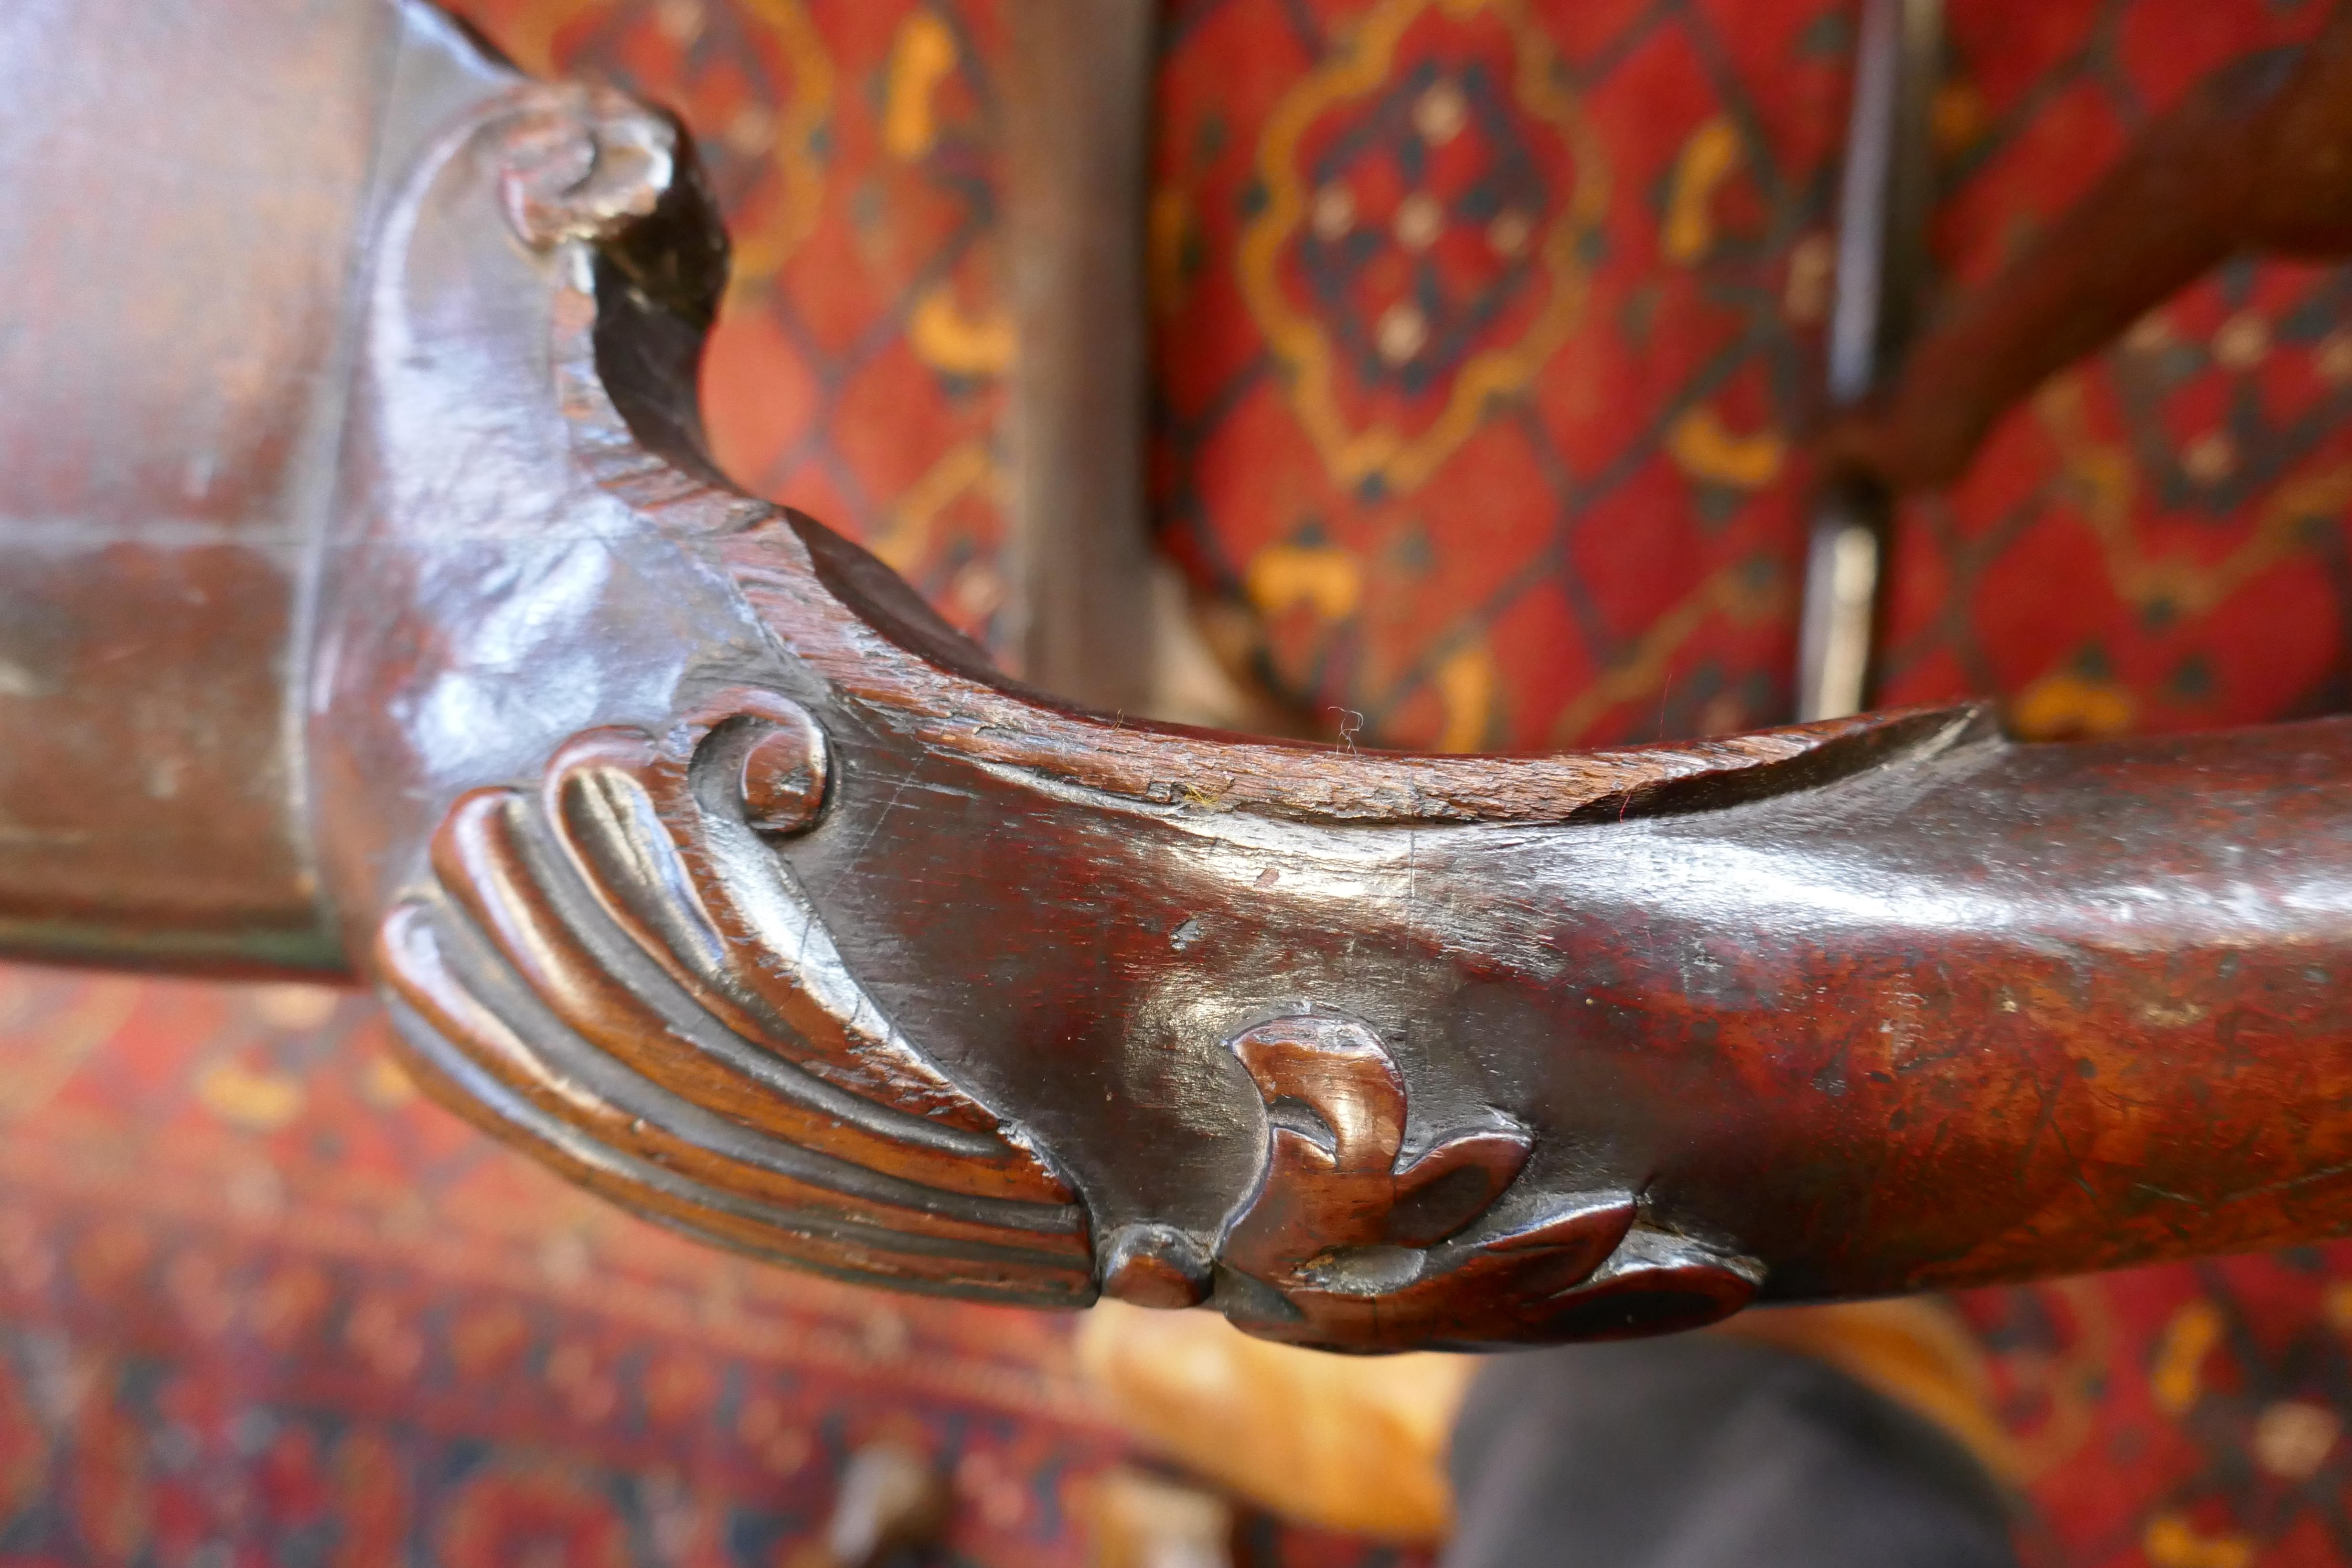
(699, 859)
(2255, 158)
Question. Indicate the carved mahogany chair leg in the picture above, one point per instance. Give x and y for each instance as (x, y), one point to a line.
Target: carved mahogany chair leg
(696, 857)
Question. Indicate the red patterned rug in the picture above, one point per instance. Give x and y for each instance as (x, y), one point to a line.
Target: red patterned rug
(261, 1304)
(1489, 335)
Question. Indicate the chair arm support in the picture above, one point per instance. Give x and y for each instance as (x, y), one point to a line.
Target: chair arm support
(699, 859)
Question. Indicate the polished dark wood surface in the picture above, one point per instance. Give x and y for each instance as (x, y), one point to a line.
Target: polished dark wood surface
(184, 186)
(1077, 121)
(697, 857)
(1370, 1049)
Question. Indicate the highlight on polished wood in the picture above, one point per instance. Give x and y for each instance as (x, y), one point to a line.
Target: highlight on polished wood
(698, 858)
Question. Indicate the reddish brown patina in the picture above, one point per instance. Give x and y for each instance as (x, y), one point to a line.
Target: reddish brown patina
(697, 857)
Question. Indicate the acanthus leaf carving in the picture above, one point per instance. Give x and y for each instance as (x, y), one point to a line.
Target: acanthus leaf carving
(1347, 1243)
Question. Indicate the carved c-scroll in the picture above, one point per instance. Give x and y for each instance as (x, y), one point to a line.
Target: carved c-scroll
(616, 971)
(1347, 1243)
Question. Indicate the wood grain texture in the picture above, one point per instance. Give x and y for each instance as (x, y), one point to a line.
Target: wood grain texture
(165, 427)
(707, 818)
(890, 651)
(698, 858)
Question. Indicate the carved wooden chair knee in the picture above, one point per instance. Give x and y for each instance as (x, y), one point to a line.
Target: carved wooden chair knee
(372, 610)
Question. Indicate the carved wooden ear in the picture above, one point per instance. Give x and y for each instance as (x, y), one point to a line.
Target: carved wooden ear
(562, 814)
(615, 970)
(700, 859)
(660, 717)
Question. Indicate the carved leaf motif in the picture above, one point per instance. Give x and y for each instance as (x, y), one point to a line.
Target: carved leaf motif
(617, 971)
(1348, 1244)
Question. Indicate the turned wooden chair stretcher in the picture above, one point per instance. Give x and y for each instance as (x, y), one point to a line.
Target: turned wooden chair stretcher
(696, 857)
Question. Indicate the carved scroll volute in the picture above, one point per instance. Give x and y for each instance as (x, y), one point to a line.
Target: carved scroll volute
(1348, 1243)
(616, 971)
(601, 956)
